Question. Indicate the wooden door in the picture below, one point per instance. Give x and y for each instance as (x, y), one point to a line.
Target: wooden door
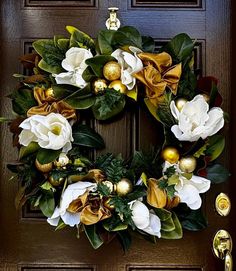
(27, 241)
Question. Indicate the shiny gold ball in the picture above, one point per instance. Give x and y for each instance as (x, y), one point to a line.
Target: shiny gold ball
(45, 168)
(107, 204)
(123, 187)
(188, 164)
(109, 185)
(118, 86)
(56, 181)
(49, 92)
(170, 154)
(99, 85)
(112, 71)
(180, 102)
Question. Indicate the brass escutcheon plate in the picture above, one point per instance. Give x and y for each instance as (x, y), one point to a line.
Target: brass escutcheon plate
(223, 204)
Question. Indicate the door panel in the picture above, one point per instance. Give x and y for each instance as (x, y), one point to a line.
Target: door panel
(27, 241)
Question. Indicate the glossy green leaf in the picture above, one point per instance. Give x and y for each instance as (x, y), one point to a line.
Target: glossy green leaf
(119, 227)
(105, 40)
(168, 225)
(163, 214)
(85, 136)
(164, 113)
(217, 173)
(148, 44)
(45, 156)
(194, 221)
(97, 63)
(88, 75)
(61, 91)
(108, 105)
(94, 239)
(47, 204)
(216, 145)
(27, 150)
(177, 233)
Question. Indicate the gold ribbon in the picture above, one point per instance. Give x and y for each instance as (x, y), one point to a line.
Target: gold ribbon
(48, 104)
(158, 74)
(156, 197)
(90, 208)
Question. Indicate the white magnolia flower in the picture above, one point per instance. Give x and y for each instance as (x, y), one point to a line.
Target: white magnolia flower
(195, 120)
(144, 219)
(130, 64)
(72, 192)
(50, 132)
(188, 190)
(74, 64)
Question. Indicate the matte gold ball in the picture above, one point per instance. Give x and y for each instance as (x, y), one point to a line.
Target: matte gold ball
(55, 181)
(180, 102)
(124, 187)
(188, 164)
(109, 185)
(117, 85)
(99, 85)
(112, 71)
(43, 167)
(170, 154)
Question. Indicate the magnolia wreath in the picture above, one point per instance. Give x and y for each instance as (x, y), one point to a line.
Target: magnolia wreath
(155, 194)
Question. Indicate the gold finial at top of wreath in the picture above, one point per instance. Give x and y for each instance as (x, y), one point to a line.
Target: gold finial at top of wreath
(113, 23)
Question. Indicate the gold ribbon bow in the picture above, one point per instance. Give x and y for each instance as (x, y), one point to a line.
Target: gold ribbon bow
(156, 196)
(158, 74)
(91, 209)
(48, 104)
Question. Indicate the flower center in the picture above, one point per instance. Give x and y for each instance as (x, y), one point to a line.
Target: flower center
(56, 130)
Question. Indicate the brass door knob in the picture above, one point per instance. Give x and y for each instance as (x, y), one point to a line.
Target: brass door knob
(222, 247)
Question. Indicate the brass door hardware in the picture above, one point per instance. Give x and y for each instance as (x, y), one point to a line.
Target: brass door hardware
(113, 23)
(223, 204)
(222, 247)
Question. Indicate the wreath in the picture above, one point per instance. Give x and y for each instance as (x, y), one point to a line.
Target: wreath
(155, 194)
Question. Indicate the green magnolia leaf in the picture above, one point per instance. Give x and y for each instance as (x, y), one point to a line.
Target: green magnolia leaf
(164, 113)
(88, 75)
(119, 227)
(47, 204)
(47, 186)
(194, 221)
(51, 55)
(27, 150)
(96, 63)
(163, 214)
(125, 239)
(105, 40)
(213, 94)
(22, 100)
(177, 233)
(85, 136)
(217, 173)
(62, 91)
(108, 105)
(93, 237)
(180, 47)
(63, 44)
(215, 146)
(127, 35)
(148, 44)
(80, 39)
(168, 225)
(45, 156)
(61, 225)
(187, 85)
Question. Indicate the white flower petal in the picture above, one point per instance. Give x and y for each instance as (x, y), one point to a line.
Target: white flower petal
(140, 215)
(55, 218)
(202, 184)
(65, 78)
(71, 219)
(154, 227)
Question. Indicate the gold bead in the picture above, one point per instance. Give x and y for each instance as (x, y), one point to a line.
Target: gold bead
(107, 204)
(56, 182)
(99, 85)
(170, 154)
(112, 71)
(109, 185)
(118, 86)
(49, 92)
(45, 168)
(188, 164)
(123, 187)
(180, 102)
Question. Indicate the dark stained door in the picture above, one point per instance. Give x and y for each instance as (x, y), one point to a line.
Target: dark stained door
(27, 241)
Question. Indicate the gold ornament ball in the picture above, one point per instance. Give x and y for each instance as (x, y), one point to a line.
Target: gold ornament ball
(49, 92)
(55, 181)
(45, 168)
(99, 85)
(123, 187)
(180, 102)
(188, 164)
(107, 204)
(109, 185)
(118, 86)
(170, 154)
(112, 71)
